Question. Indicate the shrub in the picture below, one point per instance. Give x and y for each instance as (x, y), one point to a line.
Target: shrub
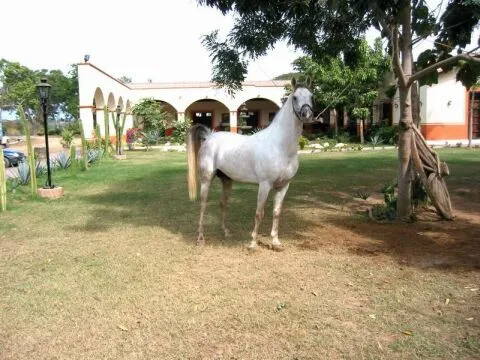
(67, 138)
(132, 135)
(180, 130)
(303, 142)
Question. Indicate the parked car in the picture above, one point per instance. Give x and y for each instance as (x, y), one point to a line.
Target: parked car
(13, 157)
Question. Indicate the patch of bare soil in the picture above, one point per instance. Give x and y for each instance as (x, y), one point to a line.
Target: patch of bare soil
(426, 243)
(54, 143)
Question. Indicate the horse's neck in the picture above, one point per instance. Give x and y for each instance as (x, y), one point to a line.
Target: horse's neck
(286, 130)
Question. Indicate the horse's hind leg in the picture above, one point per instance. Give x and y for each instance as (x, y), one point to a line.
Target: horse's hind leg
(277, 209)
(263, 190)
(204, 188)
(226, 191)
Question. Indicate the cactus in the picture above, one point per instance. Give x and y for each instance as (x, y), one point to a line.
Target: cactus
(3, 184)
(98, 136)
(119, 125)
(73, 160)
(31, 156)
(107, 129)
(84, 158)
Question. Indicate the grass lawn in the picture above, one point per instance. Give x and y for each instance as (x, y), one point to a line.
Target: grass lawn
(111, 270)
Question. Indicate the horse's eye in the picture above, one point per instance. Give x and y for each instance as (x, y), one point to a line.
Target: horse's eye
(294, 98)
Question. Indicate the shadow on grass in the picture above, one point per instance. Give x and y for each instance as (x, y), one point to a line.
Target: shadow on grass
(159, 198)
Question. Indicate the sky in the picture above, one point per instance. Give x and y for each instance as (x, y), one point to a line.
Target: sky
(158, 40)
(141, 39)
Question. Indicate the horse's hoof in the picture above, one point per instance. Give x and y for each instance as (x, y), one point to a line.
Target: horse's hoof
(200, 241)
(277, 247)
(252, 247)
(227, 234)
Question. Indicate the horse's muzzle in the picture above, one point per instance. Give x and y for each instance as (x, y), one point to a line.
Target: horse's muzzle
(306, 113)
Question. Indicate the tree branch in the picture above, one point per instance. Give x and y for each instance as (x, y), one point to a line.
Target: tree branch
(397, 65)
(379, 15)
(419, 74)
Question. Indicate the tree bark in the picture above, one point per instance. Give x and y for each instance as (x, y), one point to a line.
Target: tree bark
(470, 119)
(362, 140)
(404, 72)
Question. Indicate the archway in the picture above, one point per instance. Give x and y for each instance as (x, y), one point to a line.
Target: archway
(256, 113)
(209, 112)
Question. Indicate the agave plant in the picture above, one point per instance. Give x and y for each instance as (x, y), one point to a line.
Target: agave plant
(63, 160)
(40, 169)
(22, 173)
(376, 140)
(94, 155)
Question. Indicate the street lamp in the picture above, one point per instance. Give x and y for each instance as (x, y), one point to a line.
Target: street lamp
(44, 92)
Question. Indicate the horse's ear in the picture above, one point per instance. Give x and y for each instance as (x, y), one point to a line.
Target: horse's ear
(309, 82)
(294, 82)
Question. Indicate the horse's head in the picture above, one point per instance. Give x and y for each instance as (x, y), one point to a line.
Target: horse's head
(302, 102)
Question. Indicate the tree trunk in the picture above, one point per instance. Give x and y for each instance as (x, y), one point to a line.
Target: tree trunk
(404, 72)
(334, 115)
(470, 119)
(416, 105)
(362, 140)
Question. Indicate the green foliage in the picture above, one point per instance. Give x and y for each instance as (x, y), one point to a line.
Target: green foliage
(119, 125)
(229, 68)
(303, 141)
(63, 160)
(95, 155)
(73, 160)
(386, 211)
(342, 84)
(67, 138)
(30, 152)
(3, 184)
(22, 173)
(376, 140)
(18, 87)
(181, 128)
(388, 133)
(107, 130)
(326, 29)
(83, 160)
(151, 115)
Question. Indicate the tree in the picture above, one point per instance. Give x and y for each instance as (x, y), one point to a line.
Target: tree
(151, 115)
(19, 88)
(353, 87)
(125, 79)
(326, 28)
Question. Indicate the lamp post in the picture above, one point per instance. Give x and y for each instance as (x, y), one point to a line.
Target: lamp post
(44, 92)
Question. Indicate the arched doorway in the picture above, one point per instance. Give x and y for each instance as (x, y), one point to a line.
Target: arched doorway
(209, 112)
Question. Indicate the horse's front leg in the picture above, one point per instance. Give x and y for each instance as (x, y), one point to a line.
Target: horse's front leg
(263, 190)
(227, 190)
(277, 209)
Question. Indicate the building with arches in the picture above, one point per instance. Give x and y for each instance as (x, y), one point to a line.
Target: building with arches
(202, 102)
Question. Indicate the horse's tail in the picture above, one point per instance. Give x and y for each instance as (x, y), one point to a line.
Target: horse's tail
(195, 136)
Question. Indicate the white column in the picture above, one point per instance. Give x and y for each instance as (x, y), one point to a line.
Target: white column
(233, 121)
(86, 116)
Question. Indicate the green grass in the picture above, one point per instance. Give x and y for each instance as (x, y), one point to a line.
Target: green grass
(111, 270)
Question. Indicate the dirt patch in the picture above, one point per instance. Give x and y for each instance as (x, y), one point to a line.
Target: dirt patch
(54, 143)
(427, 242)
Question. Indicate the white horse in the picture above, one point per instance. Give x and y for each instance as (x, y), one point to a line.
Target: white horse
(268, 158)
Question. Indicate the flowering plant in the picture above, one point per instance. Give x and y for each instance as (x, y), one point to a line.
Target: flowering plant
(132, 135)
